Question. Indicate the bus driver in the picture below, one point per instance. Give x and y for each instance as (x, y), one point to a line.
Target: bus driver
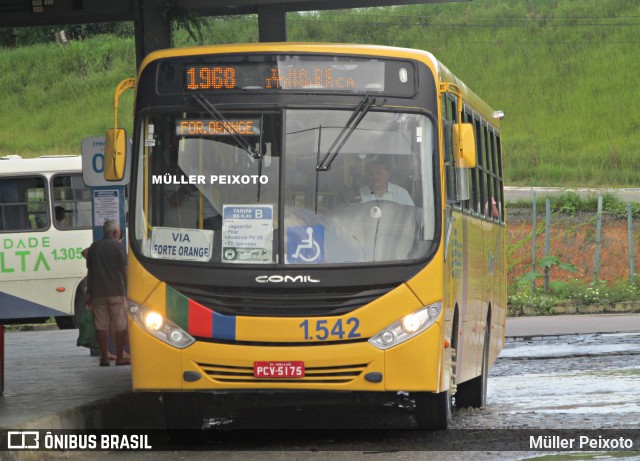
(378, 186)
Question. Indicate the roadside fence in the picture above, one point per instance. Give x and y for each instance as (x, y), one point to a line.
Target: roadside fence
(592, 247)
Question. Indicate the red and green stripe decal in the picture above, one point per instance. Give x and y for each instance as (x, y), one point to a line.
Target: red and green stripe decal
(198, 320)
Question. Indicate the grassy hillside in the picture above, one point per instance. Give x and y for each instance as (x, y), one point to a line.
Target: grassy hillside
(564, 71)
(54, 96)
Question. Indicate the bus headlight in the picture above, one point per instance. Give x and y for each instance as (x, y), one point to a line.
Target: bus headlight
(153, 321)
(158, 326)
(407, 327)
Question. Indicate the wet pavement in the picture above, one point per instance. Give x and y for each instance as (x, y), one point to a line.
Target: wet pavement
(568, 382)
(47, 377)
(543, 379)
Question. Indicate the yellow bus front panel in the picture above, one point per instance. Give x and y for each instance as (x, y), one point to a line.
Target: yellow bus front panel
(411, 366)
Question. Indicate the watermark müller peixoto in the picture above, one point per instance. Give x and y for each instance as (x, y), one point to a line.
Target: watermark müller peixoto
(73, 440)
(579, 442)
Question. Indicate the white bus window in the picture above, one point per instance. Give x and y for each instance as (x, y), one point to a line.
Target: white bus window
(71, 202)
(23, 204)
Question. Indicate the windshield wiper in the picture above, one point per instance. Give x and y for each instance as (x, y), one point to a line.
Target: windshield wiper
(237, 137)
(356, 117)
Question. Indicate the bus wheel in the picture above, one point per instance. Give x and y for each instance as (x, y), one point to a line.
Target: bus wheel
(183, 415)
(66, 323)
(70, 322)
(433, 411)
(473, 393)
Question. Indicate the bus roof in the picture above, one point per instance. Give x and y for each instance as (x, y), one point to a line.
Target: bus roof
(441, 72)
(10, 165)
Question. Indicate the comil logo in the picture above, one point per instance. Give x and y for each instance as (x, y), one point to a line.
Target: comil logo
(286, 279)
(23, 440)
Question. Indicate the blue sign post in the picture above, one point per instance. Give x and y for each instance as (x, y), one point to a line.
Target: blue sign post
(107, 197)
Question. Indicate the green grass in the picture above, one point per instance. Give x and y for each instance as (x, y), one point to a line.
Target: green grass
(570, 203)
(563, 71)
(574, 292)
(55, 96)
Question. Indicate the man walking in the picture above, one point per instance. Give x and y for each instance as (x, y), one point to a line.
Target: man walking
(107, 290)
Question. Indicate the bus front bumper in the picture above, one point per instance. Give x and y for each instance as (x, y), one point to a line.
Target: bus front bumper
(414, 365)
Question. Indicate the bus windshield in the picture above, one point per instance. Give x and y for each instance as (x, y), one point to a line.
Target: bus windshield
(204, 198)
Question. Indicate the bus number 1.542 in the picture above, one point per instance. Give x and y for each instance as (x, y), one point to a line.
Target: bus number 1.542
(323, 330)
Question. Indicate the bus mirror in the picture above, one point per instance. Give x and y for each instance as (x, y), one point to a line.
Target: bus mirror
(115, 154)
(464, 145)
(115, 141)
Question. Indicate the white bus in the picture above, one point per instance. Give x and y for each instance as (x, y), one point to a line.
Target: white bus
(45, 222)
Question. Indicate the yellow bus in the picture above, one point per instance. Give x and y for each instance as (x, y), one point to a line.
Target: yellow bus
(313, 217)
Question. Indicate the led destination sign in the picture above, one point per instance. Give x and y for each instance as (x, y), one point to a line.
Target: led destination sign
(207, 127)
(284, 73)
(288, 75)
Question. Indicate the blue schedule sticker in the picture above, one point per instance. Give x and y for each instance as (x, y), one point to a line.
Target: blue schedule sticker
(305, 244)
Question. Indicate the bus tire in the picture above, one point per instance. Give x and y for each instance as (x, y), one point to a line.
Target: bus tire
(183, 415)
(79, 302)
(66, 322)
(70, 322)
(433, 411)
(473, 393)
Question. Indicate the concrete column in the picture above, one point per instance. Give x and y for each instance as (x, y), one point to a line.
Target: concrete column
(152, 27)
(272, 23)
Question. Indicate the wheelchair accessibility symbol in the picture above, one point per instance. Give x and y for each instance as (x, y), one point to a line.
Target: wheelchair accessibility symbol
(305, 244)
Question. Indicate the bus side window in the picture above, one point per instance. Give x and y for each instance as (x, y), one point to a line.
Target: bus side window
(499, 185)
(23, 204)
(481, 199)
(474, 202)
(448, 115)
(71, 202)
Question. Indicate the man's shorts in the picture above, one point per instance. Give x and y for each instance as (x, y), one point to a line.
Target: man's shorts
(110, 309)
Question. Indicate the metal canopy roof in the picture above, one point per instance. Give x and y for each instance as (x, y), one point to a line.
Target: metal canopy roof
(152, 17)
(19, 13)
